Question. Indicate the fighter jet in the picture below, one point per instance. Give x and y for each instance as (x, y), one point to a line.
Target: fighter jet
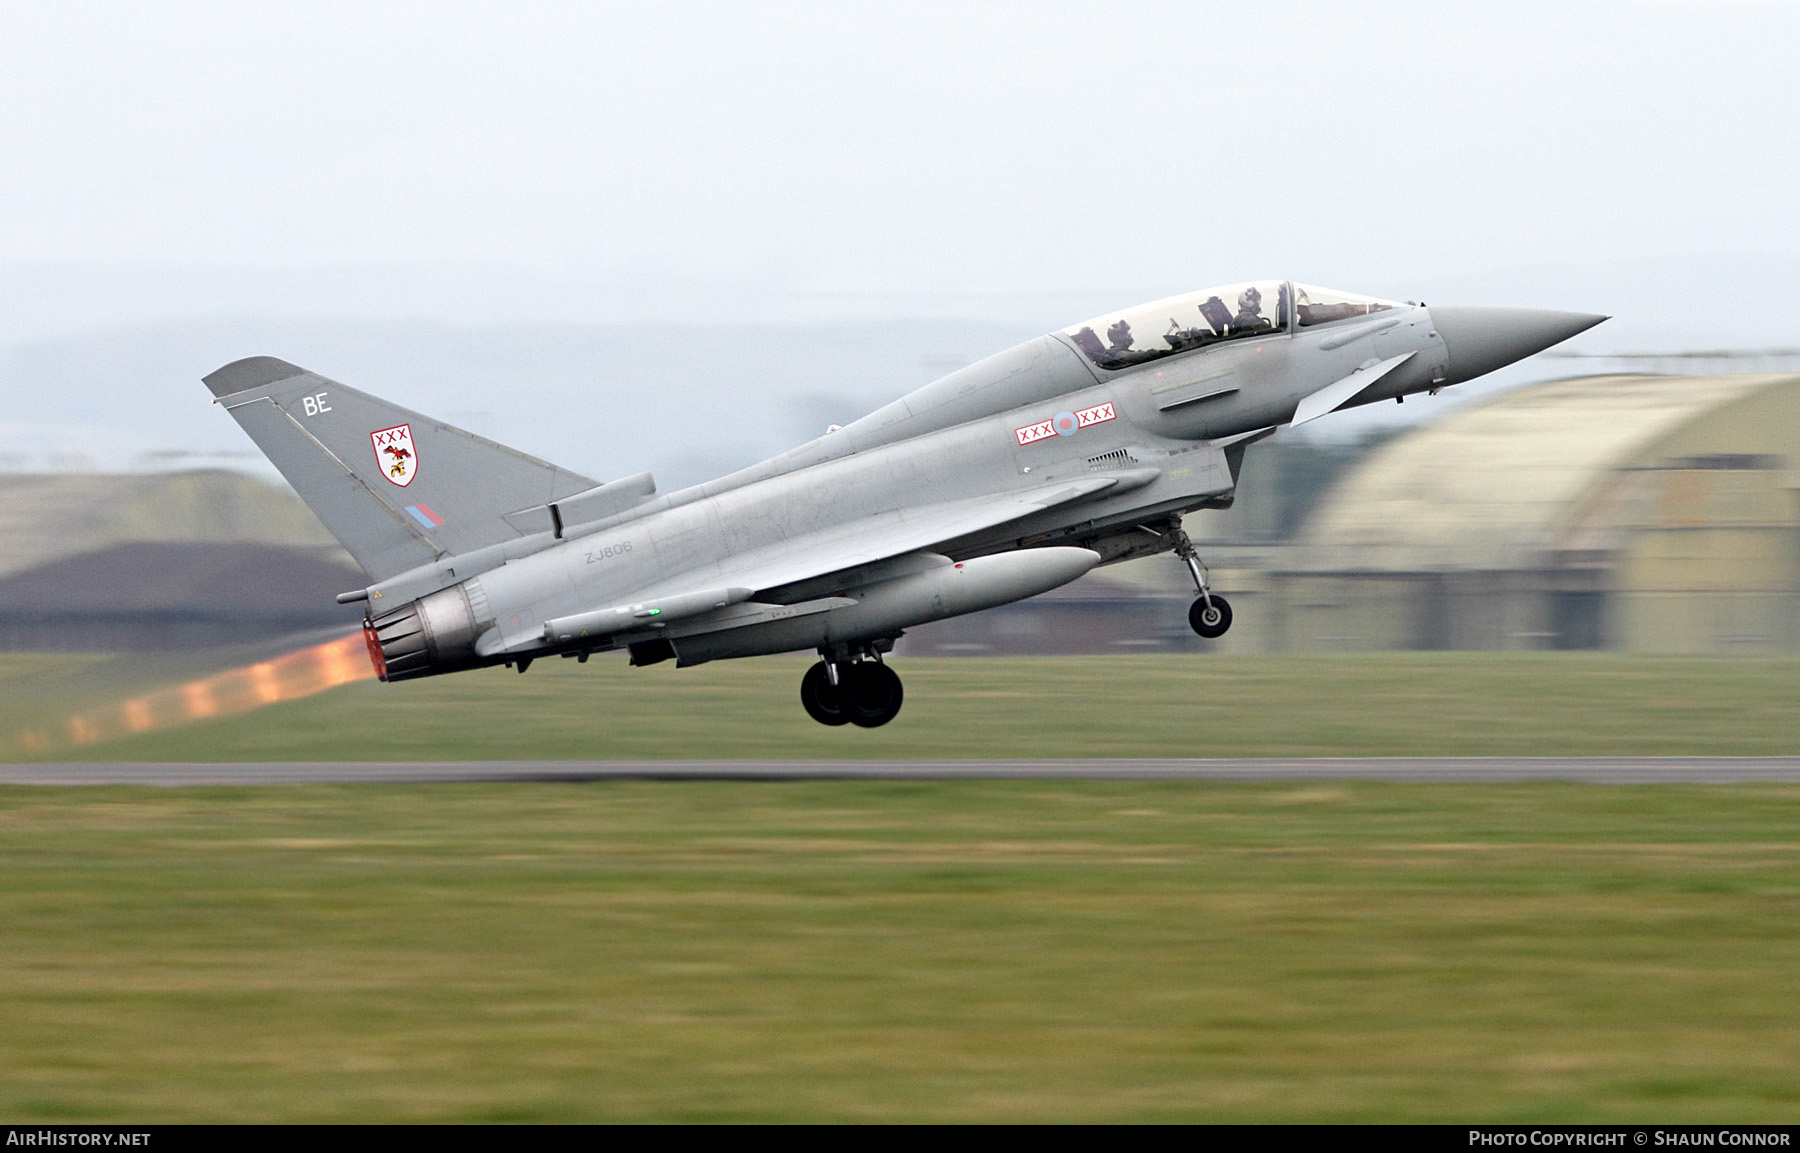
(1003, 480)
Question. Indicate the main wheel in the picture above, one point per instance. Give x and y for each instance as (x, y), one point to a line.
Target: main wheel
(823, 701)
(871, 693)
(1210, 621)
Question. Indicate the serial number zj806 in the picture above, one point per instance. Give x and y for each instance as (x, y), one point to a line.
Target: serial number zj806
(596, 555)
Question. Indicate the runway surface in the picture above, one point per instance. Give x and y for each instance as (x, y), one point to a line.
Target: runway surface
(1591, 770)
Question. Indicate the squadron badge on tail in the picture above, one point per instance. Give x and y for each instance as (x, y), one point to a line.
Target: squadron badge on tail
(395, 453)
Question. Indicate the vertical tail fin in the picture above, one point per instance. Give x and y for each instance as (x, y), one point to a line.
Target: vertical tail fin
(396, 488)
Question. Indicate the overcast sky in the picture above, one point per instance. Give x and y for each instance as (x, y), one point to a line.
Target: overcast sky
(440, 202)
(916, 148)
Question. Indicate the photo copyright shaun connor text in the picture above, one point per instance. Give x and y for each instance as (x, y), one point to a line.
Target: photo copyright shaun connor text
(1630, 1138)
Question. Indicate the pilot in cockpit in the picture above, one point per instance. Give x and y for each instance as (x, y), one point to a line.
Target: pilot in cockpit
(1120, 335)
(1249, 316)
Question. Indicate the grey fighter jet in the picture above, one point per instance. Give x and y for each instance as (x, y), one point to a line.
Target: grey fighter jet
(998, 482)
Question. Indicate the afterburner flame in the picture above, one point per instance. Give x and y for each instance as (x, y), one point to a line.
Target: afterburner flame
(285, 678)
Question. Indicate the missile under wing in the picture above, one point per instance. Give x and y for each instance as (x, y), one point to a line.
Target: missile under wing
(1000, 481)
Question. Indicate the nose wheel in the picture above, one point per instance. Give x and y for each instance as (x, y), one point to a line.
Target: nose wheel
(865, 693)
(1210, 616)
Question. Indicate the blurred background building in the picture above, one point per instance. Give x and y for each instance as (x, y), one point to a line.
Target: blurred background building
(116, 562)
(1649, 513)
(1625, 511)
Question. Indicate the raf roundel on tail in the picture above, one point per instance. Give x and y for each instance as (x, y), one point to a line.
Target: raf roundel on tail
(395, 453)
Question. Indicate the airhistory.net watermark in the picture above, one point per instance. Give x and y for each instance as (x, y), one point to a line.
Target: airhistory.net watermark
(43, 1138)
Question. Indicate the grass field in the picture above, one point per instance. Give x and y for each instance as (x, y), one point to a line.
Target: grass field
(1395, 704)
(848, 950)
(947, 950)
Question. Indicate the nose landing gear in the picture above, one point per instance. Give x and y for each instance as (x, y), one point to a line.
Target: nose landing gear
(865, 693)
(1210, 616)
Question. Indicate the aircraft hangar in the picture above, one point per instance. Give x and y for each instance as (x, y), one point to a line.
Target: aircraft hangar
(111, 562)
(1633, 512)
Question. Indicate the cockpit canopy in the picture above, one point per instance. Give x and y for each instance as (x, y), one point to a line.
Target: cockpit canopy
(1211, 316)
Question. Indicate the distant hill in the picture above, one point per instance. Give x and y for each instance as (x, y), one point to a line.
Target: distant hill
(103, 364)
(685, 399)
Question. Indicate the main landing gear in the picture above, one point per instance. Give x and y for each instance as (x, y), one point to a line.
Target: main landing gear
(864, 692)
(1209, 616)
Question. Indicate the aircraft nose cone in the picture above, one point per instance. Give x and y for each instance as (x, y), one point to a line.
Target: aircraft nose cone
(1479, 340)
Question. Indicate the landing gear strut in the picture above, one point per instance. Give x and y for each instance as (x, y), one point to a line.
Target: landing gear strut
(1209, 616)
(864, 692)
